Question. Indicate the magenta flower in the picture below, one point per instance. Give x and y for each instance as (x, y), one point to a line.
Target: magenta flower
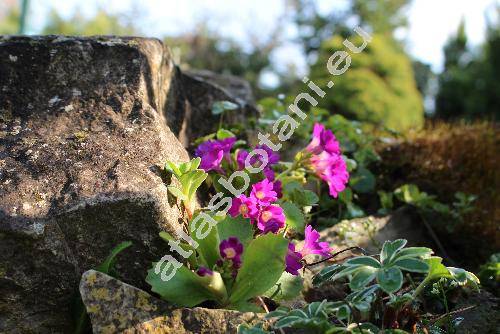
(312, 245)
(241, 156)
(272, 157)
(293, 260)
(244, 206)
(268, 173)
(278, 188)
(263, 192)
(332, 169)
(212, 152)
(231, 249)
(204, 271)
(323, 140)
(271, 219)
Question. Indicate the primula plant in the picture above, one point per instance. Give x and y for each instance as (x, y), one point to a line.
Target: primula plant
(247, 249)
(247, 254)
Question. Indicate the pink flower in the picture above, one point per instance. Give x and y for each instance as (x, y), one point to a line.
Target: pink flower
(293, 260)
(263, 192)
(244, 206)
(311, 246)
(332, 169)
(213, 151)
(231, 249)
(271, 219)
(323, 140)
(326, 160)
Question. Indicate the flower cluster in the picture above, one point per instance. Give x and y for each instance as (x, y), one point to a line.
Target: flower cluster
(311, 246)
(326, 160)
(259, 206)
(212, 152)
(231, 250)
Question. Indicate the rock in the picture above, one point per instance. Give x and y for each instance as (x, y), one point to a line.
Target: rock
(114, 306)
(85, 124)
(202, 89)
(371, 232)
(482, 318)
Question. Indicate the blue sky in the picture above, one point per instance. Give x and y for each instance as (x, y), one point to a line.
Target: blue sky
(430, 21)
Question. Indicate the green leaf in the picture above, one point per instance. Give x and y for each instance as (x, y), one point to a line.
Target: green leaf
(263, 262)
(236, 227)
(463, 276)
(107, 266)
(220, 106)
(363, 261)
(172, 168)
(437, 269)
(294, 216)
(413, 252)
(326, 274)
(386, 199)
(355, 211)
(408, 193)
(208, 248)
(288, 287)
(223, 134)
(413, 265)
(346, 195)
(389, 249)
(245, 329)
(186, 288)
(362, 277)
(177, 193)
(288, 321)
(390, 279)
(363, 181)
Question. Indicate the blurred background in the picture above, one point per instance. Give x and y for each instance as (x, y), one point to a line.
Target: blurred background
(438, 59)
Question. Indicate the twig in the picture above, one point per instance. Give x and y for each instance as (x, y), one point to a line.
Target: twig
(263, 304)
(454, 312)
(436, 239)
(334, 255)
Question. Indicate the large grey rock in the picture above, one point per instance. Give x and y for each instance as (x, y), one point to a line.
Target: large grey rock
(116, 307)
(201, 89)
(84, 124)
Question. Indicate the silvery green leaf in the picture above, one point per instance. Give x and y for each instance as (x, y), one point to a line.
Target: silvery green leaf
(220, 106)
(363, 261)
(390, 248)
(413, 265)
(390, 279)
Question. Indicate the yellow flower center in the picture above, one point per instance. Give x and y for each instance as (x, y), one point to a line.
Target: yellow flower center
(243, 209)
(259, 194)
(266, 215)
(230, 253)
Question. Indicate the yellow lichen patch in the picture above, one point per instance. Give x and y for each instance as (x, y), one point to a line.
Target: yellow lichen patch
(109, 329)
(144, 303)
(100, 294)
(91, 278)
(94, 309)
